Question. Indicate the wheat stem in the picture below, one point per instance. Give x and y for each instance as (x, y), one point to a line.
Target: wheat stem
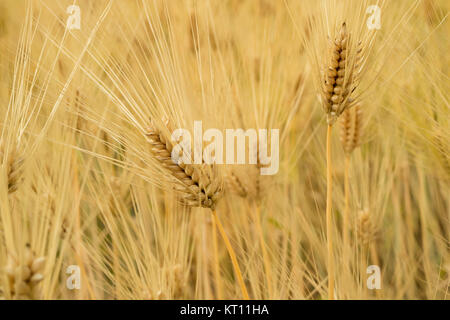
(329, 221)
(216, 262)
(345, 221)
(205, 261)
(234, 261)
(266, 260)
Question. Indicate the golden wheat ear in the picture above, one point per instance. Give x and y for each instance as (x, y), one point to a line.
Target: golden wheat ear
(235, 185)
(248, 182)
(198, 185)
(248, 186)
(351, 129)
(14, 166)
(366, 230)
(341, 75)
(24, 275)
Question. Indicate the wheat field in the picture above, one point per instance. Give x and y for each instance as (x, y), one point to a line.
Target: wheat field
(92, 205)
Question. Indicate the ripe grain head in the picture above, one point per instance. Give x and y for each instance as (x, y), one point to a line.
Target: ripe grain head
(351, 129)
(198, 185)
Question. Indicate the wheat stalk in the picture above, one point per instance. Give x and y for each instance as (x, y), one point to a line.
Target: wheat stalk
(329, 218)
(216, 262)
(236, 185)
(232, 256)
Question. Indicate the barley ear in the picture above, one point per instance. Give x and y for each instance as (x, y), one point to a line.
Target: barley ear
(24, 274)
(198, 185)
(14, 166)
(366, 231)
(236, 185)
(340, 75)
(351, 129)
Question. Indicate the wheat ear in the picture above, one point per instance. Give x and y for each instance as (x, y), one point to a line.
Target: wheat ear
(216, 262)
(366, 230)
(24, 274)
(351, 129)
(340, 76)
(236, 185)
(196, 186)
(14, 166)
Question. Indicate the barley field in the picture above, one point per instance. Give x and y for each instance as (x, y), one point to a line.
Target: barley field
(354, 98)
